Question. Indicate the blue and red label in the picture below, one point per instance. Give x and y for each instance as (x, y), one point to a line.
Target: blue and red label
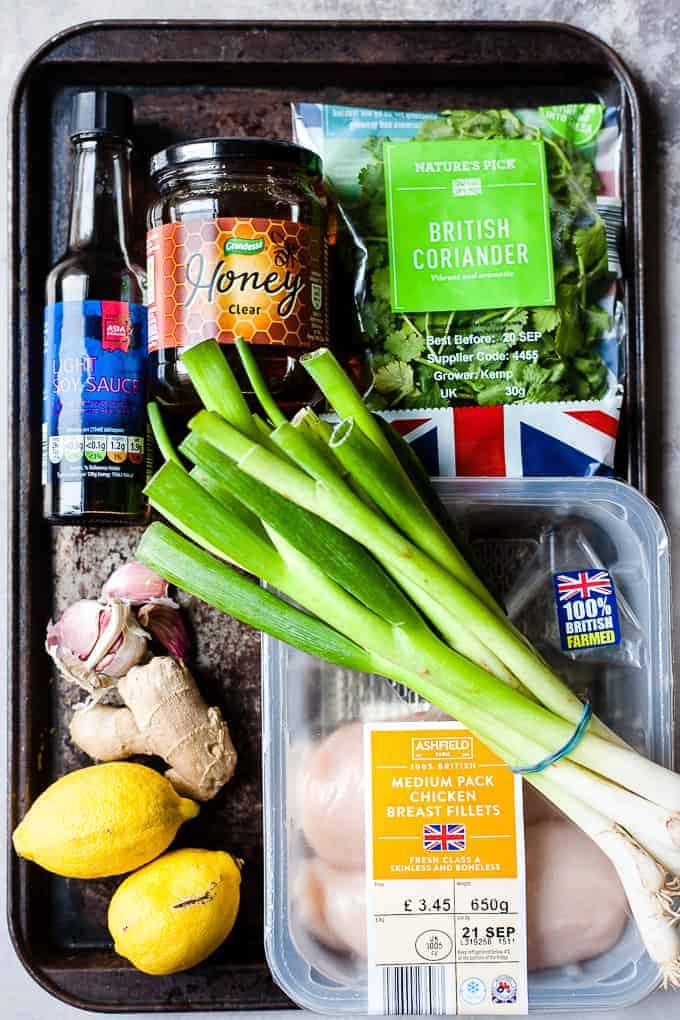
(587, 610)
(94, 398)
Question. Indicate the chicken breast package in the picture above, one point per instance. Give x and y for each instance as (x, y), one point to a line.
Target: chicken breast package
(576, 907)
(499, 903)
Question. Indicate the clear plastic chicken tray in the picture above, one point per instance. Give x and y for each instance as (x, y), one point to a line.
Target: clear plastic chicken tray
(521, 531)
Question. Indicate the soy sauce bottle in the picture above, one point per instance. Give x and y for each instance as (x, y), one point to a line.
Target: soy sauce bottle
(95, 335)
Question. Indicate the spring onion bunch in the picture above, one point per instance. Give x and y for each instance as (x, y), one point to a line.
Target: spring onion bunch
(344, 525)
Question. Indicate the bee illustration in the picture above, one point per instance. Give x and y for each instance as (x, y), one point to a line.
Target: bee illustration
(286, 250)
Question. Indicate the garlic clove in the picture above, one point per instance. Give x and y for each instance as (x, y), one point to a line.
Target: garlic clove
(77, 629)
(134, 583)
(166, 625)
(94, 644)
(122, 641)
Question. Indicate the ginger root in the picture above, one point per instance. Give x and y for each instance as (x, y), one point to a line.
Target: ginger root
(165, 716)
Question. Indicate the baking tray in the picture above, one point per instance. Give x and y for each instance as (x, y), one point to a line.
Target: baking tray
(207, 78)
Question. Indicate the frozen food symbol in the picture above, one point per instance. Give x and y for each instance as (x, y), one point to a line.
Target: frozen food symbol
(434, 945)
(473, 991)
(504, 990)
(437, 838)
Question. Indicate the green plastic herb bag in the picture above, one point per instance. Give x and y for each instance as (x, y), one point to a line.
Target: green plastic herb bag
(483, 247)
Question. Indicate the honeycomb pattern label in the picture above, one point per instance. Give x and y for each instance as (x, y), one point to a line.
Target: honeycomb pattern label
(260, 279)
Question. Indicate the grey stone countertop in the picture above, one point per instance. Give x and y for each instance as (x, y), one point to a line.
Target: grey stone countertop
(646, 33)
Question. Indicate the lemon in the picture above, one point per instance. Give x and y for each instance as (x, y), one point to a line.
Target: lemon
(103, 820)
(172, 914)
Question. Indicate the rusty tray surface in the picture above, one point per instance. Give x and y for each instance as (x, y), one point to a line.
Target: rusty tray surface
(215, 78)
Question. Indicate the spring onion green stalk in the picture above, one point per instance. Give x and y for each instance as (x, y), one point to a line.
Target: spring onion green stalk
(413, 467)
(345, 561)
(321, 429)
(319, 433)
(458, 637)
(343, 396)
(394, 551)
(216, 385)
(195, 571)
(231, 532)
(381, 477)
(160, 433)
(307, 424)
(427, 532)
(262, 426)
(370, 598)
(256, 379)
(307, 454)
(410, 464)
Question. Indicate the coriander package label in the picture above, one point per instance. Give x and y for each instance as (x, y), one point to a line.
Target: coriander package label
(468, 225)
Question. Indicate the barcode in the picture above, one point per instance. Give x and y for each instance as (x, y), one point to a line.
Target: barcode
(611, 211)
(414, 991)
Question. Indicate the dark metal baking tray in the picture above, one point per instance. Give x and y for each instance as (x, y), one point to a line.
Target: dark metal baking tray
(209, 78)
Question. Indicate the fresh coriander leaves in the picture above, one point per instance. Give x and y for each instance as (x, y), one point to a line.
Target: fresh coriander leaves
(530, 354)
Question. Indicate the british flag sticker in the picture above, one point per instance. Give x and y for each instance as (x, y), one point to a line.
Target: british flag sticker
(587, 611)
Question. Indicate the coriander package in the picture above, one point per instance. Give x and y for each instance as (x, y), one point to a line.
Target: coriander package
(482, 250)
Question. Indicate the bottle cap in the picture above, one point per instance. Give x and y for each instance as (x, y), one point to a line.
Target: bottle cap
(101, 113)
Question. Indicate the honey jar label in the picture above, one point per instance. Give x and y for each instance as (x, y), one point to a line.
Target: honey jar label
(260, 279)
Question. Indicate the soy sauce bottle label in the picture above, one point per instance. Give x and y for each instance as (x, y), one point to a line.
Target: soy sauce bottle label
(94, 403)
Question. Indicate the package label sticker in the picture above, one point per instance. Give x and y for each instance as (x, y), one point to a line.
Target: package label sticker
(468, 225)
(587, 609)
(445, 873)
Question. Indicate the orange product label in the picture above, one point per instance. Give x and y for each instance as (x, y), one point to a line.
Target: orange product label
(443, 805)
(445, 883)
(260, 279)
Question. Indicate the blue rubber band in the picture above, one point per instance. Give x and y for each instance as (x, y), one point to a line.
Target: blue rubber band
(574, 741)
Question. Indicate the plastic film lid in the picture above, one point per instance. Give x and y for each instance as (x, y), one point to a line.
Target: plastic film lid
(265, 150)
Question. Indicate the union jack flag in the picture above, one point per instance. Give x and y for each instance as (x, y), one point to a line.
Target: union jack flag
(582, 584)
(443, 837)
(514, 441)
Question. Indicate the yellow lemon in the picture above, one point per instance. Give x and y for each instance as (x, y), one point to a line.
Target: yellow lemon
(103, 820)
(172, 914)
